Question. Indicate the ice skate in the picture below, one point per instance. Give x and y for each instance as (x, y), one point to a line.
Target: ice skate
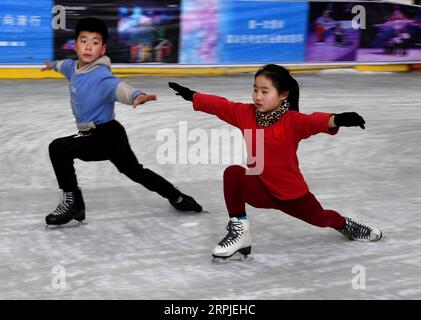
(238, 240)
(186, 204)
(357, 231)
(71, 207)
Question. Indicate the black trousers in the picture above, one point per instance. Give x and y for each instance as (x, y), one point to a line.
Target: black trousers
(106, 142)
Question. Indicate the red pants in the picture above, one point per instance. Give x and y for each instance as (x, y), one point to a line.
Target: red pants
(240, 189)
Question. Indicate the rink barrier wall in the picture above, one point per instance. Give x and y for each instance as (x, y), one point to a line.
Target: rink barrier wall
(34, 71)
(415, 67)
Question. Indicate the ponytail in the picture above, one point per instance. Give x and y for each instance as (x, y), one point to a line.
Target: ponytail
(294, 94)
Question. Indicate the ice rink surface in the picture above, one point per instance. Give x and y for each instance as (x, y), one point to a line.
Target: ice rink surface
(135, 246)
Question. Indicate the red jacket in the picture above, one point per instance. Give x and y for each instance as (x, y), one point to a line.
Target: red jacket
(281, 173)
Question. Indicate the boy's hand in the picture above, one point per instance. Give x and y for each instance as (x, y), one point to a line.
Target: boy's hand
(184, 92)
(48, 66)
(349, 119)
(142, 98)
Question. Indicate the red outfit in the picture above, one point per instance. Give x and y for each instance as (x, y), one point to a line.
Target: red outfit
(281, 173)
(240, 188)
(281, 177)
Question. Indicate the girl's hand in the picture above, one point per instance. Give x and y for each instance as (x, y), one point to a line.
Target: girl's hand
(142, 98)
(349, 119)
(184, 92)
(48, 66)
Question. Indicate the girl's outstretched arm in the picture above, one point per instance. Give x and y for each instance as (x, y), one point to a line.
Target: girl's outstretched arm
(306, 125)
(228, 111)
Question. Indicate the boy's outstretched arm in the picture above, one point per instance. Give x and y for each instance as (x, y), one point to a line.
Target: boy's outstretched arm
(126, 94)
(48, 66)
(346, 119)
(63, 66)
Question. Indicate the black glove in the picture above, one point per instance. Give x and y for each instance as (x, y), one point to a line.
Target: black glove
(186, 93)
(349, 119)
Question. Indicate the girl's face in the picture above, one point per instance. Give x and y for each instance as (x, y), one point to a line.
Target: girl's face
(265, 96)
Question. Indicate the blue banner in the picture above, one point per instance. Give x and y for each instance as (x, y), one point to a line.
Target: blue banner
(262, 31)
(26, 35)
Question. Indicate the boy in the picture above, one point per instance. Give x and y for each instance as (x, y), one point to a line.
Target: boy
(93, 92)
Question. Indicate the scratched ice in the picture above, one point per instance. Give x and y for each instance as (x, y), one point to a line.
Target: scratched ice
(135, 246)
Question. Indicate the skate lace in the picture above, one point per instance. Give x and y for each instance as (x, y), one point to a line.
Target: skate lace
(356, 230)
(65, 202)
(233, 235)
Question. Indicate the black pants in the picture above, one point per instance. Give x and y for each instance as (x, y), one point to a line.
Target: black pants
(106, 142)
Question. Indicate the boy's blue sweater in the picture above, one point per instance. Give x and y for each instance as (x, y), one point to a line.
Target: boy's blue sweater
(92, 90)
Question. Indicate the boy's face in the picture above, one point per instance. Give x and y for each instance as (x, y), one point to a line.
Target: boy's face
(89, 47)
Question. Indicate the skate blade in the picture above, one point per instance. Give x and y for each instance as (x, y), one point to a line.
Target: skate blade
(377, 238)
(238, 257)
(194, 212)
(71, 224)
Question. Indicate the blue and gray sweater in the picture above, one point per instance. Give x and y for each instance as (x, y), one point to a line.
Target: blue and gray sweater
(94, 91)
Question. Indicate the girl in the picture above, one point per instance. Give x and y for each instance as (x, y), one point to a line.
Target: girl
(280, 185)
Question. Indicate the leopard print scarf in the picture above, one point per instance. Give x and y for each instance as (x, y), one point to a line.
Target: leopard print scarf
(266, 119)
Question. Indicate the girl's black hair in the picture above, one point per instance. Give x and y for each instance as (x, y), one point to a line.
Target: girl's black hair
(92, 25)
(282, 81)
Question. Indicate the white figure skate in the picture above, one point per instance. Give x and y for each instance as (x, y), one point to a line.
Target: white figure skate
(238, 240)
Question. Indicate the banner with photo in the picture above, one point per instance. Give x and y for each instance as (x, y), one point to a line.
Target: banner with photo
(363, 32)
(232, 31)
(140, 31)
(25, 31)
(331, 36)
(392, 33)
(199, 43)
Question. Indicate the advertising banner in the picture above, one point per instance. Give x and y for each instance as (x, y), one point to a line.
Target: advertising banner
(263, 31)
(331, 35)
(139, 31)
(200, 32)
(392, 33)
(25, 31)
(215, 32)
(234, 31)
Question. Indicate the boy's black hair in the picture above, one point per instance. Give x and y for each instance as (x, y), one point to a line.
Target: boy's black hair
(92, 24)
